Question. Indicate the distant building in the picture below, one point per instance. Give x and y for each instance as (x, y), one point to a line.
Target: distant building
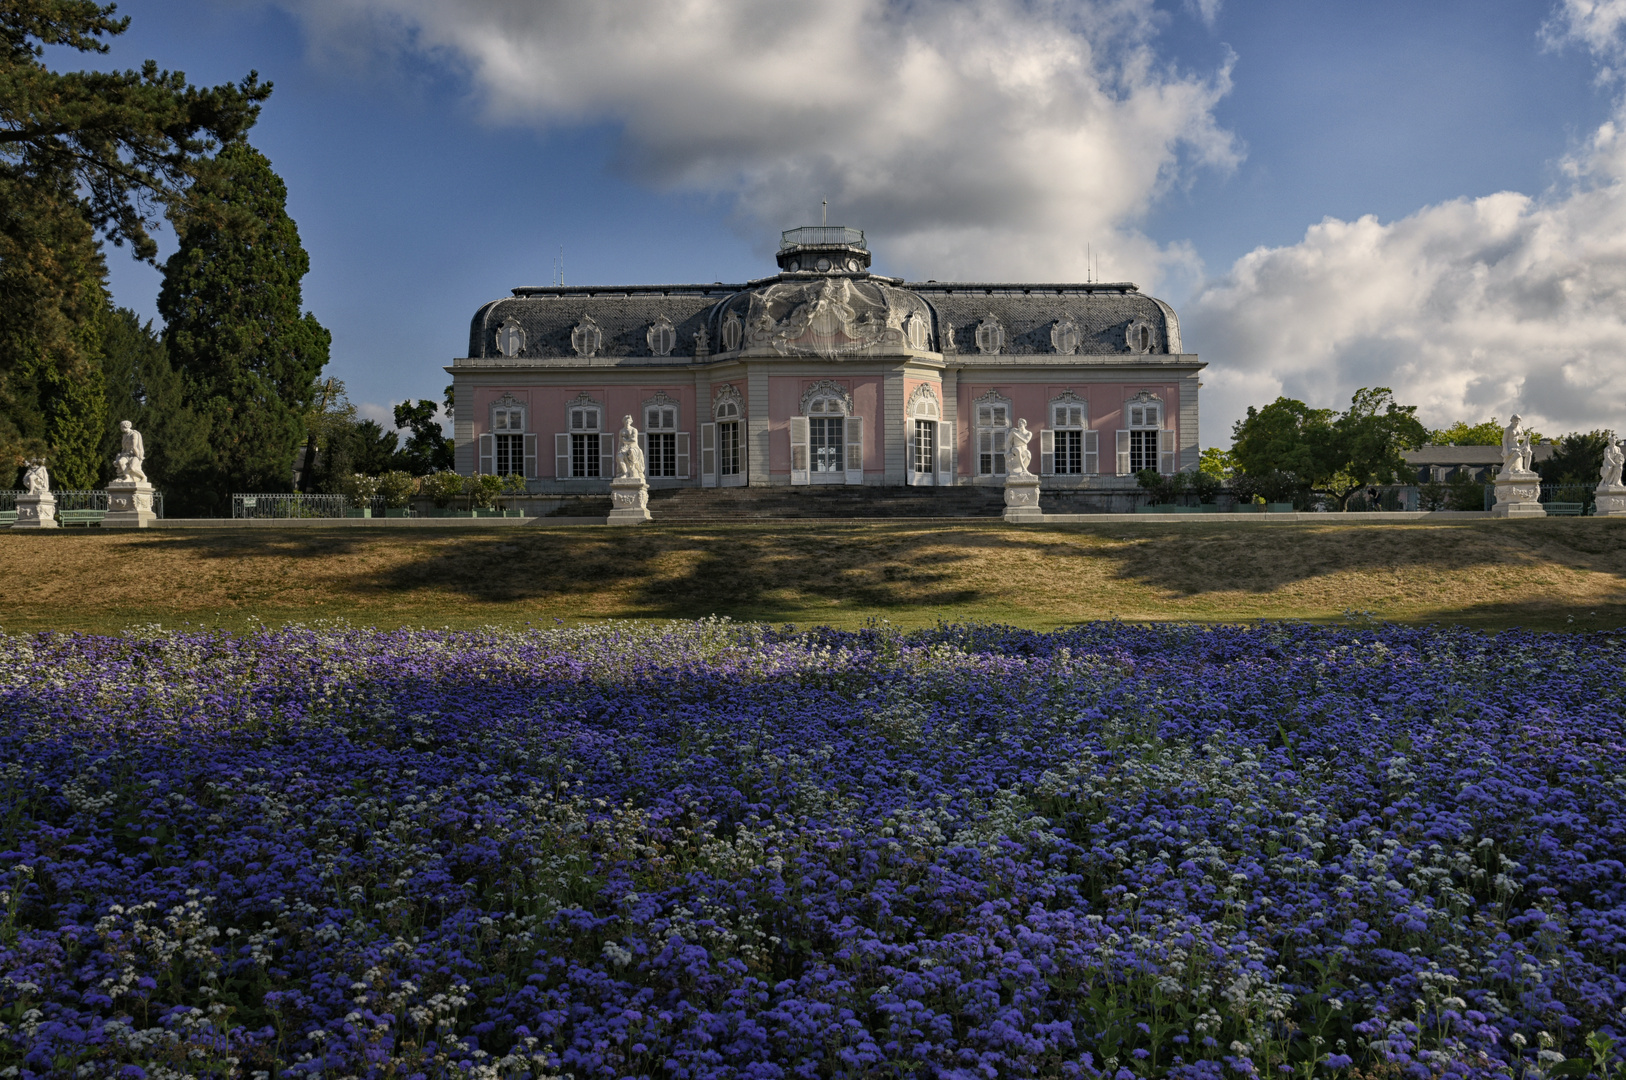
(826, 374)
(1480, 463)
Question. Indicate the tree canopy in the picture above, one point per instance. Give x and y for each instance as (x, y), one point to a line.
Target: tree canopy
(1331, 453)
(83, 152)
(1463, 433)
(232, 304)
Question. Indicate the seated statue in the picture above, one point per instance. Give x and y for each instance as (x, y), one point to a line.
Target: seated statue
(1516, 450)
(36, 481)
(127, 464)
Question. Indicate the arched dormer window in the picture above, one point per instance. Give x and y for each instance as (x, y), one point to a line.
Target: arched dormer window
(1141, 337)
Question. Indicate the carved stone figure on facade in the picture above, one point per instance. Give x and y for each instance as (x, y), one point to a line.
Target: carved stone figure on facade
(127, 463)
(629, 455)
(1516, 451)
(1020, 436)
(36, 481)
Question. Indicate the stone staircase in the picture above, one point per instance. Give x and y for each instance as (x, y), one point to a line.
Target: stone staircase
(765, 503)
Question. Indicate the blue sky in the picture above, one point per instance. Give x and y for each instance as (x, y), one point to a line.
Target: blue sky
(1424, 195)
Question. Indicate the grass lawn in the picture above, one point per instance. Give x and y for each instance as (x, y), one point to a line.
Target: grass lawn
(1552, 573)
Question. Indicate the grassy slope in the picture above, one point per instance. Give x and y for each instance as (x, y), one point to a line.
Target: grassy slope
(1537, 573)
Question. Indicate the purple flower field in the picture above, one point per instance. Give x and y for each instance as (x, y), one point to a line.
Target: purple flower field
(713, 850)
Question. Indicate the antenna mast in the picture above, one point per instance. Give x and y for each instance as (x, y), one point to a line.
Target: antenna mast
(824, 214)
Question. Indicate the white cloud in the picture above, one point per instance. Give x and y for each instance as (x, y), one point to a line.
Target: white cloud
(976, 138)
(1467, 308)
(1597, 25)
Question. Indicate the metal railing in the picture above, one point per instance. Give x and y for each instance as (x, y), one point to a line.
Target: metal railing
(69, 499)
(822, 234)
(294, 505)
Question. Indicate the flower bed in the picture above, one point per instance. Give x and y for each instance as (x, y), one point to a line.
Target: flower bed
(713, 850)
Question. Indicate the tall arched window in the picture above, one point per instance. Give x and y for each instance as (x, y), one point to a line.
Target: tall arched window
(992, 415)
(827, 439)
(930, 439)
(1143, 441)
(722, 442)
(507, 447)
(1067, 446)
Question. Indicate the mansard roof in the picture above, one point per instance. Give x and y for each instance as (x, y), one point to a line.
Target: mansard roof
(782, 314)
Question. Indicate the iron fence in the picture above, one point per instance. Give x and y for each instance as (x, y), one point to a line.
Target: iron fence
(822, 234)
(294, 505)
(77, 500)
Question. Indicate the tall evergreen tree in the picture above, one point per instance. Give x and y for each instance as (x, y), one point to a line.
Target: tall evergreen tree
(82, 151)
(232, 305)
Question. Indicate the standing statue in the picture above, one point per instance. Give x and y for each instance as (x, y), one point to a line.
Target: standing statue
(629, 456)
(1613, 458)
(1020, 437)
(1516, 451)
(127, 464)
(36, 481)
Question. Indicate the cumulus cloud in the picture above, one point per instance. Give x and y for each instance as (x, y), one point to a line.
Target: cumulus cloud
(1468, 308)
(977, 138)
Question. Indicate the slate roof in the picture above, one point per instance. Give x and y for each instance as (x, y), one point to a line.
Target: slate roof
(1103, 313)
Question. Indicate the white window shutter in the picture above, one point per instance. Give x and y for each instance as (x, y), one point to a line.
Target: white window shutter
(1123, 453)
(708, 455)
(945, 453)
(488, 454)
(682, 455)
(1165, 451)
(799, 450)
(855, 449)
(530, 455)
(606, 454)
(909, 454)
(1092, 452)
(1047, 452)
(561, 455)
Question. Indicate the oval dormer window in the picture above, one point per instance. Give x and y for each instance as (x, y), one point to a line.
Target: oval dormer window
(823, 265)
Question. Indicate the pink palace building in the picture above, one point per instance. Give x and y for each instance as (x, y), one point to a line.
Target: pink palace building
(826, 374)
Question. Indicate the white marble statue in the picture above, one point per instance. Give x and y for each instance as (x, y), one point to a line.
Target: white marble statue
(1020, 436)
(127, 465)
(36, 481)
(629, 457)
(1516, 450)
(1613, 459)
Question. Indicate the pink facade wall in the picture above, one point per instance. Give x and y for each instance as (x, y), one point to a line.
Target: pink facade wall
(1031, 401)
(546, 405)
(785, 401)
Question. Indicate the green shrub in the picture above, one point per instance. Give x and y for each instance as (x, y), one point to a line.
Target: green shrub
(397, 487)
(359, 488)
(484, 490)
(441, 487)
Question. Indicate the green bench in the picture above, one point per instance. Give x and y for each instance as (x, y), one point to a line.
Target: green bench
(81, 517)
(8, 517)
(1563, 509)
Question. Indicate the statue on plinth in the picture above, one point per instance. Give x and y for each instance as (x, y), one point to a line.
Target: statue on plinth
(127, 465)
(1610, 498)
(629, 491)
(36, 506)
(1021, 486)
(1020, 436)
(1518, 489)
(129, 495)
(629, 456)
(1516, 450)
(36, 481)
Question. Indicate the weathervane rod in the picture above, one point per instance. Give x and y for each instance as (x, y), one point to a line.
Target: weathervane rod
(824, 214)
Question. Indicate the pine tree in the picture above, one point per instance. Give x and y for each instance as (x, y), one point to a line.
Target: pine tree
(82, 152)
(232, 305)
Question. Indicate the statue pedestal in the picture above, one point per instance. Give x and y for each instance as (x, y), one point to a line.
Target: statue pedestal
(129, 505)
(36, 512)
(629, 501)
(1022, 498)
(1518, 495)
(1611, 500)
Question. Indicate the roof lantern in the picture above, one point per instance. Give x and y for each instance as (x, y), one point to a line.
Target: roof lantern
(823, 249)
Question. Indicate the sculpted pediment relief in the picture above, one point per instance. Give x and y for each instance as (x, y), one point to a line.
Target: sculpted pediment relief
(832, 317)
